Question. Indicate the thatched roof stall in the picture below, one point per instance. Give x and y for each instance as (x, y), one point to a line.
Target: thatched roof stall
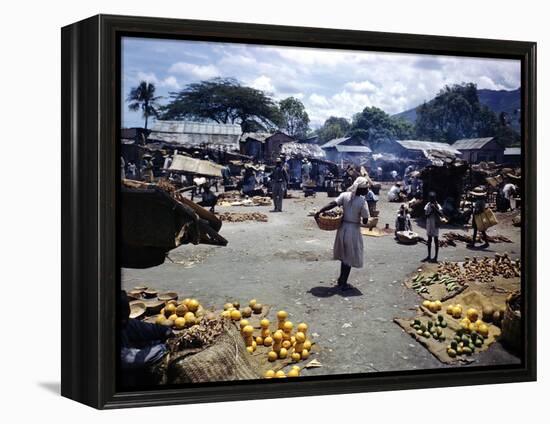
(156, 219)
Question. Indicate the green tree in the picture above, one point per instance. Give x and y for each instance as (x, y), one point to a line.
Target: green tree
(294, 118)
(226, 101)
(333, 127)
(456, 113)
(377, 127)
(143, 98)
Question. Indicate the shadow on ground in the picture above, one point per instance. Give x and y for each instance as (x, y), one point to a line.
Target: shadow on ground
(321, 291)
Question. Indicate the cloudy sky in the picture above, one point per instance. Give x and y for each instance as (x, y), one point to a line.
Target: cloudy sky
(328, 82)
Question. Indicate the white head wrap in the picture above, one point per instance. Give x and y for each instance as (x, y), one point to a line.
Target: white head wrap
(360, 182)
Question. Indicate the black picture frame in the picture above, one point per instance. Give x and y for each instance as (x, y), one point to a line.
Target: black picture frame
(90, 166)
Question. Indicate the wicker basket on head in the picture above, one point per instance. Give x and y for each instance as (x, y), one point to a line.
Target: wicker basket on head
(329, 223)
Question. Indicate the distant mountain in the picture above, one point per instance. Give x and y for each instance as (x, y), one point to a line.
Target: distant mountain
(496, 100)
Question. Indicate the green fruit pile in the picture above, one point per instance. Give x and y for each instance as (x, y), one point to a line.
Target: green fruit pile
(432, 328)
(421, 282)
(464, 343)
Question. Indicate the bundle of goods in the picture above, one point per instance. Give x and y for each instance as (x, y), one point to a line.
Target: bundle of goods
(450, 238)
(406, 237)
(209, 351)
(330, 220)
(242, 217)
(261, 201)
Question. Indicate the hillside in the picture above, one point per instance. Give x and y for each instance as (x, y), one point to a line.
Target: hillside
(497, 100)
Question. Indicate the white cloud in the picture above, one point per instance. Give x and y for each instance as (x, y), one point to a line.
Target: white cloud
(198, 71)
(365, 85)
(318, 100)
(263, 83)
(150, 77)
(328, 81)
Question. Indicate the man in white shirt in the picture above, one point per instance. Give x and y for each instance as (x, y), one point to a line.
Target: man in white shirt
(394, 193)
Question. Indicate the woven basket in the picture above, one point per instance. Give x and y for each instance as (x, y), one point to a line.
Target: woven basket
(511, 325)
(329, 223)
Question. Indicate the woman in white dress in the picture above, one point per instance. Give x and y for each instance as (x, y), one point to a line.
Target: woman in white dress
(348, 244)
(434, 217)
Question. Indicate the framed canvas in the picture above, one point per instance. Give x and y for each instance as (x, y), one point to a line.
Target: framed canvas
(255, 211)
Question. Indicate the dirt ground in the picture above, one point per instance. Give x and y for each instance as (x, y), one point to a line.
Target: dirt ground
(287, 262)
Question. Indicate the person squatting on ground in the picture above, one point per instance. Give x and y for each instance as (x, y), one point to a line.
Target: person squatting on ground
(279, 180)
(348, 244)
(403, 220)
(479, 207)
(434, 216)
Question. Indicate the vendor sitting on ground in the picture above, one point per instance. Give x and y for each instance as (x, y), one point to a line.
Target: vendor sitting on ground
(142, 347)
(479, 207)
(434, 217)
(209, 199)
(403, 220)
(348, 244)
(394, 194)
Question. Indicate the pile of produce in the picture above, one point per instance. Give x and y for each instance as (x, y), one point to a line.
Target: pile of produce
(452, 270)
(472, 331)
(432, 328)
(281, 341)
(433, 306)
(465, 343)
(180, 315)
(242, 217)
(474, 318)
(486, 269)
(421, 282)
(333, 213)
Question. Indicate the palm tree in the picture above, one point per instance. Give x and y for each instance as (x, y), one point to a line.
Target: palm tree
(143, 97)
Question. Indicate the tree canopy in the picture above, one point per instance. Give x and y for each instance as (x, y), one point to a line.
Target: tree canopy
(226, 101)
(294, 118)
(143, 98)
(333, 127)
(456, 113)
(376, 127)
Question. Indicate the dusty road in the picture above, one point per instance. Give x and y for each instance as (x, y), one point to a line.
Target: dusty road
(287, 262)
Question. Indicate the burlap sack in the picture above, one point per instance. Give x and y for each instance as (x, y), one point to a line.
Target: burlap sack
(224, 360)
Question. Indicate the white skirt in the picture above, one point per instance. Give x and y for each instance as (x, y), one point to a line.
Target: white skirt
(348, 245)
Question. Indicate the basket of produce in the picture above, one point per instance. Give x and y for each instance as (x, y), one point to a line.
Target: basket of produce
(330, 220)
(511, 323)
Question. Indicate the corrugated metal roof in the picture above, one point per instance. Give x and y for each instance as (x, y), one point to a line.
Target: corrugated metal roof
(259, 136)
(427, 145)
(334, 142)
(191, 127)
(471, 143)
(195, 133)
(303, 150)
(512, 151)
(195, 139)
(353, 149)
(196, 166)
